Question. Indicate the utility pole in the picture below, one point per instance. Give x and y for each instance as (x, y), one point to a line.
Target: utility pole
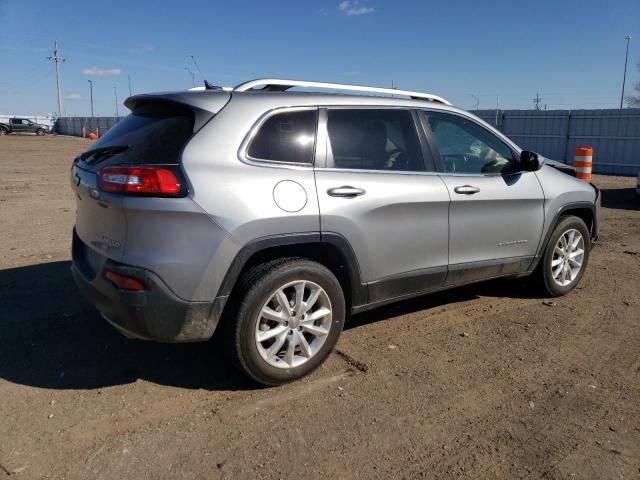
(497, 107)
(115, 94)
(624, 76)
(129, 79)
(537, 101)
(57, 59)
(193, 78)
(91, 95)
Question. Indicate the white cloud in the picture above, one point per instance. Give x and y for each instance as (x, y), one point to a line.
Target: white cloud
(73, 96)
(102, 72)
(354, 7)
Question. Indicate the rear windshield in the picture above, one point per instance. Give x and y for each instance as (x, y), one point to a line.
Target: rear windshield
(151, 134)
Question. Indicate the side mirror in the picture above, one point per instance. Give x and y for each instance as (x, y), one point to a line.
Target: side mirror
(530, 161)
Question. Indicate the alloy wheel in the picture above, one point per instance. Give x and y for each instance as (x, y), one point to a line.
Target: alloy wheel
(293, 324)
(568, 256)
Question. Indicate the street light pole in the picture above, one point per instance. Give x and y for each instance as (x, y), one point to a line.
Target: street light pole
(115, 94)
(129, 78)
(624, 76)
(91, 95)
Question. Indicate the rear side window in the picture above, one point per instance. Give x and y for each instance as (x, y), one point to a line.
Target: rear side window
(286, 137)
(151, 134)
(371, 139)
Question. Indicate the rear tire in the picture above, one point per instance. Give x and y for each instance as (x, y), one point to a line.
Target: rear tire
(288, 320)
(565, 257)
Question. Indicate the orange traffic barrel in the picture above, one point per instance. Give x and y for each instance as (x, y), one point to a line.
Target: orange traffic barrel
(583, 161)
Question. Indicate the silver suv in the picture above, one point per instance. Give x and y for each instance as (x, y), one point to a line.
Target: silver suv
(272, 215)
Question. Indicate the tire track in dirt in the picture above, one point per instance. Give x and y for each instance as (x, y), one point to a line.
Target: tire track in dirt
(84, 434)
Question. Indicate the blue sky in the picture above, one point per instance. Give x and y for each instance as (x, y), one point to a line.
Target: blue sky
(570, 52)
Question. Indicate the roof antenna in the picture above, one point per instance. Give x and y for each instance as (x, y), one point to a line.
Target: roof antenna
(209, 86)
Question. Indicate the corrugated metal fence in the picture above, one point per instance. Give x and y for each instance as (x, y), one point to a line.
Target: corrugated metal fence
(73, 125)
(613, 134)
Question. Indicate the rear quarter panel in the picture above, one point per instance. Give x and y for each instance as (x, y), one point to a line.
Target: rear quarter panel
(239, 196)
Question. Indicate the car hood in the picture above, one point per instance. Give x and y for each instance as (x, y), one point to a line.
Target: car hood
(563, 167)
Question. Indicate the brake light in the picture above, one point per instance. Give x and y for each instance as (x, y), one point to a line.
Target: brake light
(139, 180)
(124, 282)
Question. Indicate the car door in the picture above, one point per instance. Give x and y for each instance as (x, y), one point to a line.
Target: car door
(16, 125)
(28, 126)
(377, 188)
(496, 214)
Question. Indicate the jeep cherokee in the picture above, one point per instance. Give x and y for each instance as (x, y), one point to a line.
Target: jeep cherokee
(273, 214)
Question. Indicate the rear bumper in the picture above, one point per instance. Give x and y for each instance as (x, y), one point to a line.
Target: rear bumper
(154, 314)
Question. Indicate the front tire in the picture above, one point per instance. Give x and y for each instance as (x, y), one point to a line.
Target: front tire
(566, 256)
(288, 321)
(40, 132)
(3, 131)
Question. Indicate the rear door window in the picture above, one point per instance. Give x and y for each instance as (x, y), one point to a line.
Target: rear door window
(374, 139)
(151, 134)
(287, 137)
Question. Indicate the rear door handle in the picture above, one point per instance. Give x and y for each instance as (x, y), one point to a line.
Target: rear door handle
(466, 189)
(345, 191)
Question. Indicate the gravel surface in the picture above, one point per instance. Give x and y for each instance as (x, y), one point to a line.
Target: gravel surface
(486, 381)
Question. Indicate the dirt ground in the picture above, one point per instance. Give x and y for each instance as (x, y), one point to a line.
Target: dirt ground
(487, 381)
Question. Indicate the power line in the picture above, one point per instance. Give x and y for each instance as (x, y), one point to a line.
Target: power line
(197, 67)
(57, 59)
(193, 77)
(39, 77)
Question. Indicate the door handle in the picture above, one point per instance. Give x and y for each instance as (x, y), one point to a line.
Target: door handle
(345, 191)
(466, 189)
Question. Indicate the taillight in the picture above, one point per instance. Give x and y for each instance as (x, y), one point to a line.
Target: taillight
(139, 180)
(123, 282)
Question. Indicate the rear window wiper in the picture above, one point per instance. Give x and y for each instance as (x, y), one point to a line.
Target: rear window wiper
(99, 154)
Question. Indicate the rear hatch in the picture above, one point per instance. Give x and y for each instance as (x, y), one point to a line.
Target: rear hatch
(153, 136)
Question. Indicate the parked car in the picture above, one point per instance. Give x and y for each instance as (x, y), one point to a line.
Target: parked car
(274, 215)
(23, 125)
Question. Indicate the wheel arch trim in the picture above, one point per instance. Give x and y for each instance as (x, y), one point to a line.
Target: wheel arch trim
(563, 210)
(358, 291)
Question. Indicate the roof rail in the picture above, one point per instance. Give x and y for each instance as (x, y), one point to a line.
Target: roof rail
(281, 85)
